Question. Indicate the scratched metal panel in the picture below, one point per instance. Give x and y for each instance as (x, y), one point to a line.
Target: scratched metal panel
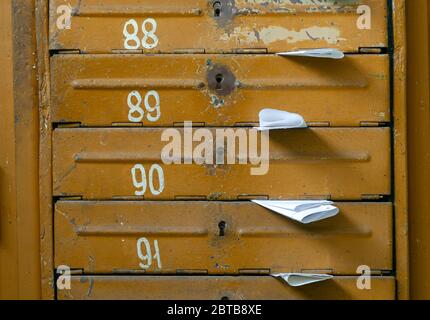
(218, 238)
(95, 89)
(96, 26)
(217, 288)
(341, 163)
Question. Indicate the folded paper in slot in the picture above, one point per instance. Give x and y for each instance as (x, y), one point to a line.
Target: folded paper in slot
(302, 211)
(324, 53)
(302, 279)
(271, 119)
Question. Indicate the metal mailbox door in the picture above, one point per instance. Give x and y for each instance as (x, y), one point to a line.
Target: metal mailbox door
(217, 288)
(125, 79)
(218, 238)
(125, 163)
(160, 26)
(217, 90)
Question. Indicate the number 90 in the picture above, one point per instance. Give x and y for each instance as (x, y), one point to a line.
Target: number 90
(140, 181)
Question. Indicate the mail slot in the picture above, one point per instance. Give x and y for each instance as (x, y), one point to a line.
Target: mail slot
(130, 163)
(218, 238)
(217, 90)
(221, 288)
(100, 26)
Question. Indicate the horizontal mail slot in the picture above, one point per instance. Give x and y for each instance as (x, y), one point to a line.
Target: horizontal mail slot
(217, 90)
(100, 26)
(217, 288)
(218, 238)
(124, 163)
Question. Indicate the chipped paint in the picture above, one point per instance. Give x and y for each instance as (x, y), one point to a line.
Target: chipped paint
(216, 102)
(330, 35)
(256, 80)
(219, 231)
(295, 6)
(215, 20)
(296, 2)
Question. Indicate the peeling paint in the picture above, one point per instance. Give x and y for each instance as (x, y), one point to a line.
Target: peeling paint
(296, 2)
(216, 102)
(330, 35)
(215, 196)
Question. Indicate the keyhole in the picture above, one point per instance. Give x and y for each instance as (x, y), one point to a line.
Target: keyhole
(217, 8)
(222, 225)
(219, 80)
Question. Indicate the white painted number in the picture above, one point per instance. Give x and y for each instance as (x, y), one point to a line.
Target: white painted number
(155, 108)
(147, 257)
(149, 40)
(138, 174)
(160, 174)
(64, 21)
(132, 41)
(134, 102)
(140, 181)
(149, 34)
(136, 113)
(364, 22)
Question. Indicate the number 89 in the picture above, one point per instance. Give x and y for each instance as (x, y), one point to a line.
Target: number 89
(136, 112)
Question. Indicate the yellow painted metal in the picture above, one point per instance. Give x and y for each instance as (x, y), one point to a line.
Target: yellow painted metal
(217, 288)
(337, 163)
(400, 150)
(418, 24)
(94, 89)
(218, 238)
(19, 215)
(98, 26)
(8, 223)
(74, 140)
(45, 157)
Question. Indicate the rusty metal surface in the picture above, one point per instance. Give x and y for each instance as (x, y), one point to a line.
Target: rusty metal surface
(94, 89)
(218, 238)
(337, 163)
(217, 288)
(98, 26)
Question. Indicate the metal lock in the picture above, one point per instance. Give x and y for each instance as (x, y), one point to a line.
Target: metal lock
(223, 11)
(221, 80)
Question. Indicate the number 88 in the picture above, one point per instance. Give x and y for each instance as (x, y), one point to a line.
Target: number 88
(133, 37)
